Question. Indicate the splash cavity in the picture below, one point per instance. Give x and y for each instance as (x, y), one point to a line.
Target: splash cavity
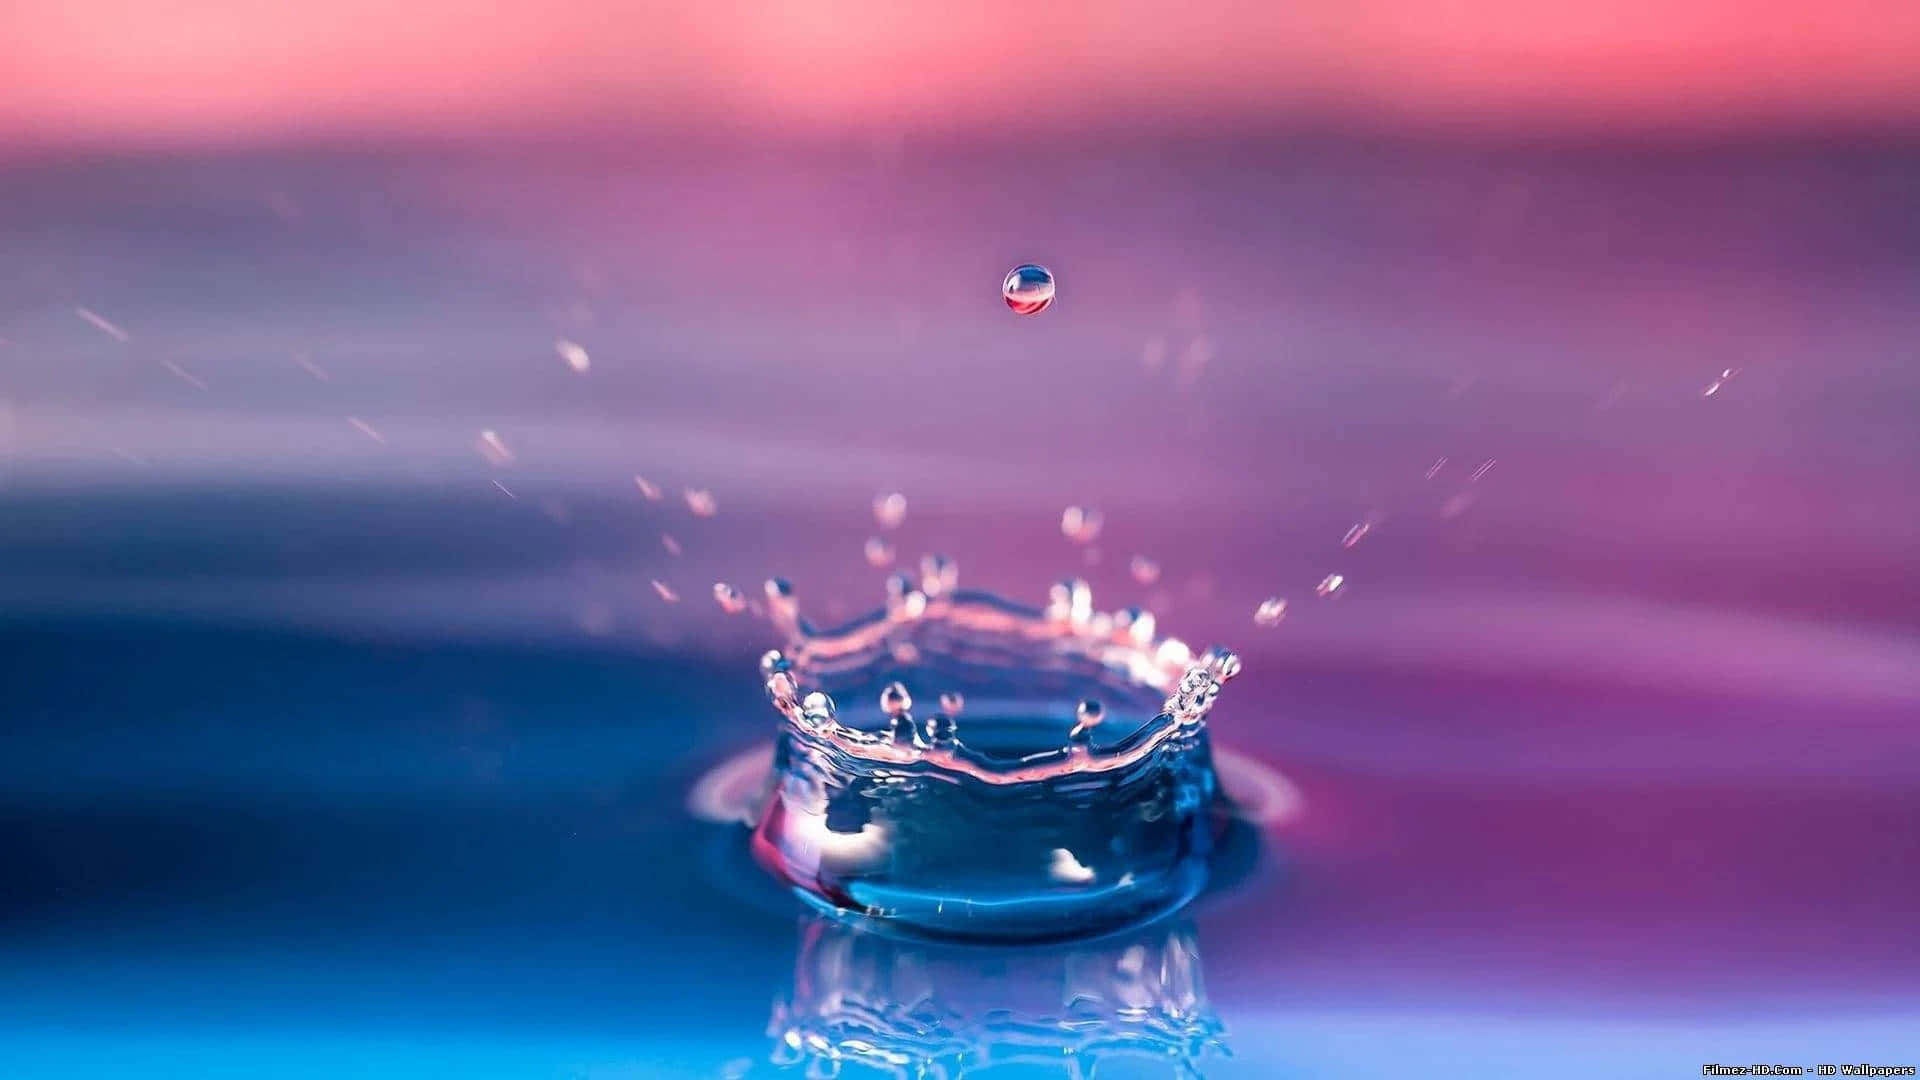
(1060, 783)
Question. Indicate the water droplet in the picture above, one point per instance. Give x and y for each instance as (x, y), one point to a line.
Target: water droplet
(1434, 469)
(1136, 623)
(942, 730)
(895, 700)
(646, 487)
(1330, 585)
(1028, 289)
(673, 546)
(818, 709)
(1356, 534)
(890, 509)
(952, 702)
(773, 660)
(1086, 716)
(1070, 601)
(903, 600)
(1081, 524)
(780, 598)
(731, 600)
(938, 574)
(666, 591)
(1485, 467)
(701, 502)
(1223, 663)
(879, 553)
(1145, 570)
(1270, 612)
(493, 448)
(575, 355)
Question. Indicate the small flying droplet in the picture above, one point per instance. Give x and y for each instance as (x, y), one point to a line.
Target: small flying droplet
(646, 487)
(673, 546)
(574, 354)
(1434, 469)
(1028, 289)
(1081, 524)
(1484, 468)
(1145, 570)
(493, 448)
(366, 429)
(731, 600)
(952, 702)
(701, 502)
(1330, 585)
(894, 700)
(666, 591)
(1356, 534)
(879, 553)
(1270, 612)
(102, 324)
(890, 509)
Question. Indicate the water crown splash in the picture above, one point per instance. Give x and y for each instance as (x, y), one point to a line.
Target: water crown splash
(1078, 795)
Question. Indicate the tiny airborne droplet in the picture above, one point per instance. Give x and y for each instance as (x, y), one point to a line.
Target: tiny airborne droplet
(879, 553)
(890, 509)
(666, 591)
(493, 448)
(731, 600)
(1081, 524)
(1330, 585)
(1270, 612)
(574, 354)
(1028, 289)
(647, 487)
(701, 502)
(1145, 570)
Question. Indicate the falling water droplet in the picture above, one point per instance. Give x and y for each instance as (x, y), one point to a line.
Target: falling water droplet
(952, 702)
(1270, 612)
(1028, 289)
(1145, 570)
(731, 600)
(1356, 534)
(879, 553)
(673, 546)
(701, 502)
(1330, 585)
(646, 487)
(1081, 524)
(666, 591)
(890, 509)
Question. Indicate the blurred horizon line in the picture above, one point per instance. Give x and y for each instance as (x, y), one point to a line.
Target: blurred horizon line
(589, 134)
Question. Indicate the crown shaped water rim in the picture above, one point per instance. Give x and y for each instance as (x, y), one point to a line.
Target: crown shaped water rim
(942, 643)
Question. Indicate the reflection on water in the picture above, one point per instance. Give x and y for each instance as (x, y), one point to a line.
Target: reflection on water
(916, 1009)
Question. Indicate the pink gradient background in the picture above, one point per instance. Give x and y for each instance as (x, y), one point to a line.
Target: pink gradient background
(228, 69)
